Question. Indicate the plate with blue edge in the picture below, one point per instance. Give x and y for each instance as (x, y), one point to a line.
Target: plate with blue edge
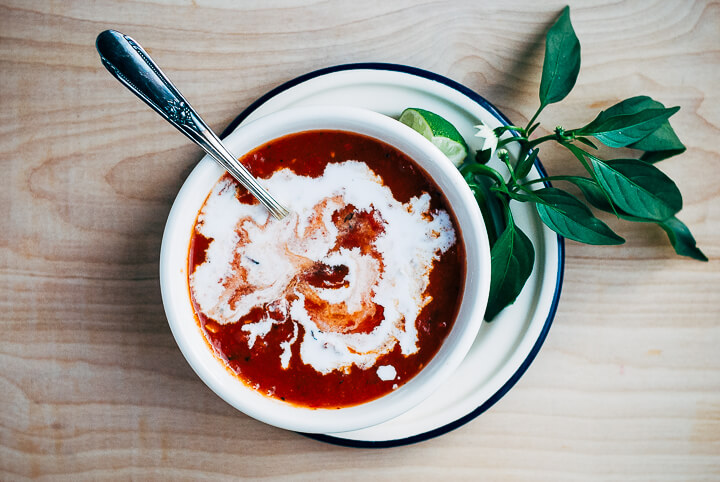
(505, 347)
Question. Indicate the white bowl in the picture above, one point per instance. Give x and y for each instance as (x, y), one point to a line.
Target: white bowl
(179, 310)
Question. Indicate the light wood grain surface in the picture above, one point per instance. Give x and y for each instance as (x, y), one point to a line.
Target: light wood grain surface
(92, 384)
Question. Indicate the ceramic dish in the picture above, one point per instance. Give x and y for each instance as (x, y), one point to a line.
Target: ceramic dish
(174, 261)
(504, 348)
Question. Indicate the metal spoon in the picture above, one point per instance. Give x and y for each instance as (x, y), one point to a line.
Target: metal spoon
(132, 66)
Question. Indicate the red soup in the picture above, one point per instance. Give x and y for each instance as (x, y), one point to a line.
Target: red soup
(346, 299)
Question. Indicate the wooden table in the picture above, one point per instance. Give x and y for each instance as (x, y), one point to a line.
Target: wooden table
(92, 384)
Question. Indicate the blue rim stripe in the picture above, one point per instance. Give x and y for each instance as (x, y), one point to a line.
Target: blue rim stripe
(561, 245)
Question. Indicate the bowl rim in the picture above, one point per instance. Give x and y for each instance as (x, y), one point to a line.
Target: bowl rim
(214, 373)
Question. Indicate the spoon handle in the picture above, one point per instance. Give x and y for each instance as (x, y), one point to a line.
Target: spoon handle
(128, 62)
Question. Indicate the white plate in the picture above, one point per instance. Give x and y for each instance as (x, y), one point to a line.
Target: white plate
(504, 348)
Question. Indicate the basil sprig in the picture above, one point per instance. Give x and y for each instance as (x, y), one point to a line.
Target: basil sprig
(632, 189)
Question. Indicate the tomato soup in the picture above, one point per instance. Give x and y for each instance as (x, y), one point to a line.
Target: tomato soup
(348, 297)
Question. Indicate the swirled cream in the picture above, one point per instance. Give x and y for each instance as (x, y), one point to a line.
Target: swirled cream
(346, 298)
(257, 262)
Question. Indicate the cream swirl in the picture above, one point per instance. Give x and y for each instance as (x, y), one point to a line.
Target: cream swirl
(350, 265)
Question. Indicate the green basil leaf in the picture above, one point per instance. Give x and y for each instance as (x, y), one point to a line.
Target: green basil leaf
(480, 179)
(512, 260)
(593, 193)
(681, 239)
(481, 198)
(621, 130)
(679, 234)
(661, 144)
(490, 206)
(633, 105)
(581, 155)
(657, 156)
(638, 188)
(562, 61)
(568, 216)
